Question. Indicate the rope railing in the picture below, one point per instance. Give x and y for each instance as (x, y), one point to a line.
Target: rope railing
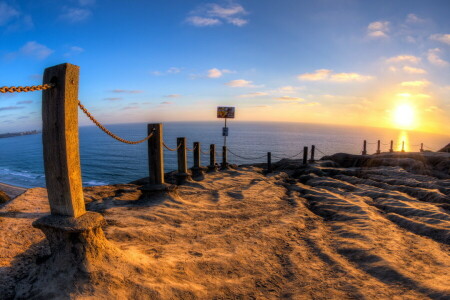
(171, 149)
(88, 114)
(289, 157)
(19, 89)
(243, 157)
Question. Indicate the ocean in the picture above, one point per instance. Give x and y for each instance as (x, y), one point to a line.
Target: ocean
(107, 161)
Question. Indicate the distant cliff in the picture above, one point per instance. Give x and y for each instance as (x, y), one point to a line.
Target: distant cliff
(7, 135)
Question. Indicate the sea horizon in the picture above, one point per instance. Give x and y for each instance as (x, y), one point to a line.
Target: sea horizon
(107, 161)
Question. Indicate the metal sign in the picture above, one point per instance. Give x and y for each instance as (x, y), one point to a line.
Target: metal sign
(225, 112)
(224, 131)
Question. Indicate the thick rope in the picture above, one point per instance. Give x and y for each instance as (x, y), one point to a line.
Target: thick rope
(281, 157)
(109, 132)
(243, 157)
(19, 89)
(171, 149)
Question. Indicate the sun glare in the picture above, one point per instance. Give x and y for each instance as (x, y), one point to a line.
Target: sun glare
(404, 116)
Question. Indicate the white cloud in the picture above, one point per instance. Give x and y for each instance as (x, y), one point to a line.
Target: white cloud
(75, 15)
(171, 70)
(74, 50)
(416, 83)
(240, 83)
(202, 22)
(403, 58)
(214, 73)
(289, 98)
(327, 75)
(412, 70)
(127, 91)
(434, 58)
(7, 13)
(215, 14)
(173, 96)
(378, 29)
(253, 95)
(412, 18)
(443, 38)
(36, 50)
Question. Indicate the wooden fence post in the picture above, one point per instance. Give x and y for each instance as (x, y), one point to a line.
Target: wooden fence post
(60, 141)
(155, 157)
(421, 147)
(378, 147)
(269, 162)
(313, 150)
(403, 146)
(197, 169)
(72, 233)
(305, 155)
(364, 152)
(212, 158)
(182, 160)
(392, 146)
(224, 158)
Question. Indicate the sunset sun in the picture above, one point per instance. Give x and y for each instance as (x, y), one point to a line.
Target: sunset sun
(403, 116)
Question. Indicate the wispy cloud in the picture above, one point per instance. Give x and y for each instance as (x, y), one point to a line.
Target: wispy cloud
(253, 95)
(412, 70)
(171, 70)
(166, 103)
(416, 83)
(25, 102)
(216, 73)
(202, 21)
(378, 29)
(173, 96)
(213, 14)
(403, 59)
(73, 50)
(11, 108)
(14, 19)
(289, 98)
(328, 75)
(413, 18)
(113, 98)
(127, 91)
(75, 14)
(433, 56)
(31, 49)
(240, 83)
(443, 38)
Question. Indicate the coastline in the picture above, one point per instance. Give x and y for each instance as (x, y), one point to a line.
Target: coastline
(12, 190)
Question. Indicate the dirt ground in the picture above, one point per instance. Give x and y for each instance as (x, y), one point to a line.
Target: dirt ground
(317, 232)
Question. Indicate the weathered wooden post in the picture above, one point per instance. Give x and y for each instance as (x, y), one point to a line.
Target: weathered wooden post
(364, 152)
(421, 147)
(197, 169)
(403, 146)
(392, 146)
(224, 158)
(155, 158)
(269, 162)
(212, 158)
(378, 147)
(73, 234)
(305, 155)
(313, 150)
(182, 174)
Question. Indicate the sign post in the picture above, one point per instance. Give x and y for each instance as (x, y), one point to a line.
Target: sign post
(224, 112)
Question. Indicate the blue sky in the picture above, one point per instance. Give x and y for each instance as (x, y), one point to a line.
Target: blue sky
(325, 61)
